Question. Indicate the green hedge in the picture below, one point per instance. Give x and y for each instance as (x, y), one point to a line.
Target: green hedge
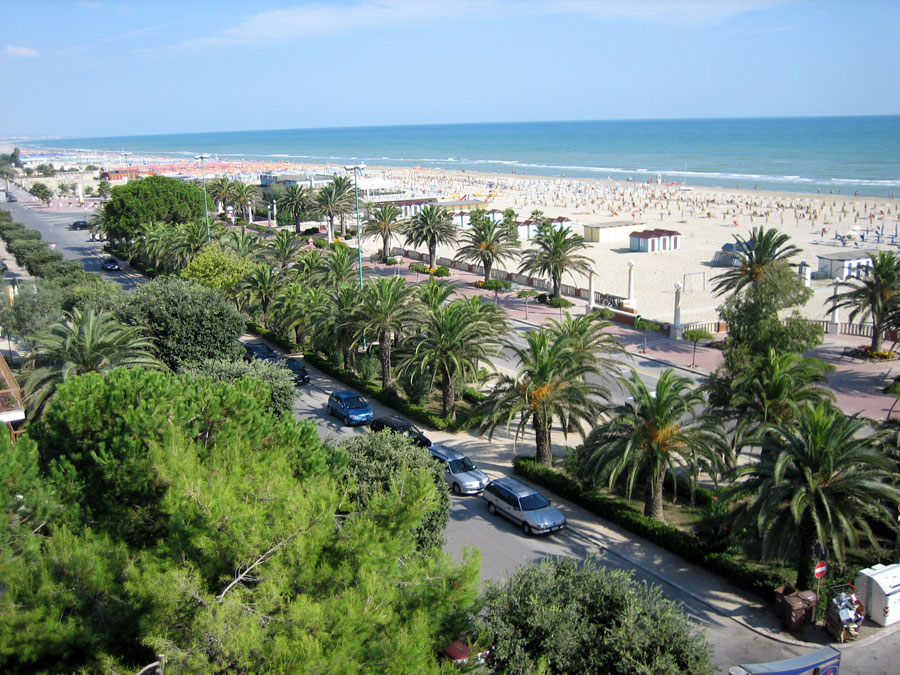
(672, 539)
(274, 338)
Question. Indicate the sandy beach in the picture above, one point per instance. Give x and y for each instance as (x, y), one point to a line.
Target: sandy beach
(706, 218)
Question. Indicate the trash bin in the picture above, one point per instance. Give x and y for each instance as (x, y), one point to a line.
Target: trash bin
(795, 609)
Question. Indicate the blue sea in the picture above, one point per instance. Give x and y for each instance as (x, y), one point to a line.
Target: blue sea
(826, 154)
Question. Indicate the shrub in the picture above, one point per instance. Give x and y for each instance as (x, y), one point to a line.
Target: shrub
(496, 285)
(559, 303)
(681, 543)
(309, 231)
(377, 463)
(276, 377)
(421, 268)
(274, 338)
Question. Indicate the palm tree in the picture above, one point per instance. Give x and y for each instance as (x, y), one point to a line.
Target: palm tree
(587, 334)
(826, 483)
(308, 262)
(282, 249)
(260, 287)
(555, 253)
(659, 431)
(434, 293)
(187, 240)
(875, 296)
(243, 195)
(550, 384)
(454, 342)
(384, 222)
(388, 305)
(297, 201)
(753, 258)
(245, 244)
(339, 318)
(766, 393)
(337, 267)
(221, 190)
(343, 188)
(431, 226)
(83, 342)
(331, 203)
(487, 243)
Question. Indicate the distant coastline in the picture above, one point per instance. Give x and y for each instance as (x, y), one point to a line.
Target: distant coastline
(825, 155)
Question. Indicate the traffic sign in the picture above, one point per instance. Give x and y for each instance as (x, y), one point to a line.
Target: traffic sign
(821, 551)
(821, 568)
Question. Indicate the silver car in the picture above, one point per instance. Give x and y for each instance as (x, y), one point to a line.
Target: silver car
(463, 477)
(523, 505)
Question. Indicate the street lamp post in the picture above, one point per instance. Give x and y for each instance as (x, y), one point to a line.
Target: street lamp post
(834, 327)
(591, 271)
(205, 202)
(125, 156)
(356, 169)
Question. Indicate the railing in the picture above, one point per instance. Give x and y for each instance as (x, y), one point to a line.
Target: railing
(11, 397)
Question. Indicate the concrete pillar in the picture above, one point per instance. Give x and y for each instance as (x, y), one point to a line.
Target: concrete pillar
(591, 272)
(805, 273)
(250, 212)
(632, 301)
(675, 328)
(834, 326)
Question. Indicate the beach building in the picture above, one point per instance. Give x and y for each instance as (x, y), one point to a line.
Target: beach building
(528, 228)
(650, 241)
(843, 264)
(609, 233)
(407, 207)
(125, 175)
(313, 181)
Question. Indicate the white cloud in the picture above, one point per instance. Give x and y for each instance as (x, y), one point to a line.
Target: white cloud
(318, 19)
(20, 52)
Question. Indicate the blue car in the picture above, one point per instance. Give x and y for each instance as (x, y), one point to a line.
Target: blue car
(349, 407)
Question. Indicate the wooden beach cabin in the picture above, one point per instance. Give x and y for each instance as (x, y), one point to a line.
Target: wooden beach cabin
(651, 241)
(843, 264)
(609, 233)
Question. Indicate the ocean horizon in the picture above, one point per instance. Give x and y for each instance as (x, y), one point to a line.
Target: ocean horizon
(826, 155)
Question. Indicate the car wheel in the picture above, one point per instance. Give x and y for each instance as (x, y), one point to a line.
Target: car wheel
(346, 421)
(456, 490)
(492, 509)
(526, 528)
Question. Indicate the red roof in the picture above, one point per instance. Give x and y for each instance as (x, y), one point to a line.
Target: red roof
(653, 234)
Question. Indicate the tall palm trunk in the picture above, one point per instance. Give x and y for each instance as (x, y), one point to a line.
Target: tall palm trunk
(542, 440)
(432, 255)
(385, 359)
(805, 576)
(487, 270)
(557, 286)
(448, 395)
(330, 229)
(653, 497)
(877, 330)
(385, 247)
(343, 226)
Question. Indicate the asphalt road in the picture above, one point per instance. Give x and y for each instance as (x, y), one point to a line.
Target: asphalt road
(502, 544)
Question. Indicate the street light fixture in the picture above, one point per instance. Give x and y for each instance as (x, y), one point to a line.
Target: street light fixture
(356, 168)
(205, 202)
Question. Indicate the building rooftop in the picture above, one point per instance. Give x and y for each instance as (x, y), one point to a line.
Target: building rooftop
(853, 254)
(652, 234)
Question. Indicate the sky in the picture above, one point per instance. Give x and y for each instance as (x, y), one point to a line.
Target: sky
(97, 68)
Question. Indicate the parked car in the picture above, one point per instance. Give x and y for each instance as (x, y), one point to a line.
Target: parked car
(523, 505)
(81, 225)
(402, 427)
(461, 474)
(255, 350)
(11, 197)
(350, 407)
(111, 265)
(298, 372)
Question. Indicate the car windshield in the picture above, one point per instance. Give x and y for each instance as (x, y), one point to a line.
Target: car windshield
(533, 502)
(354, 402)
(463, 465)
(412, 430)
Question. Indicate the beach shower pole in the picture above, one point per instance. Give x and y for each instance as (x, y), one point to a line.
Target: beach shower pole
(205, 202)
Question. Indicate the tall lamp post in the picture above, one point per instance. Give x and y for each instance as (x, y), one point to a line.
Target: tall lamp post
(356, 168)
(202, 158)
(125, 156)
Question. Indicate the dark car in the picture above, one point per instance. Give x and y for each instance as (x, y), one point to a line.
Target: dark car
(81, 225)
(111, 265)
(255, 350)
(350, 407)
(402, 427)
(298, 372)
(11, 197)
